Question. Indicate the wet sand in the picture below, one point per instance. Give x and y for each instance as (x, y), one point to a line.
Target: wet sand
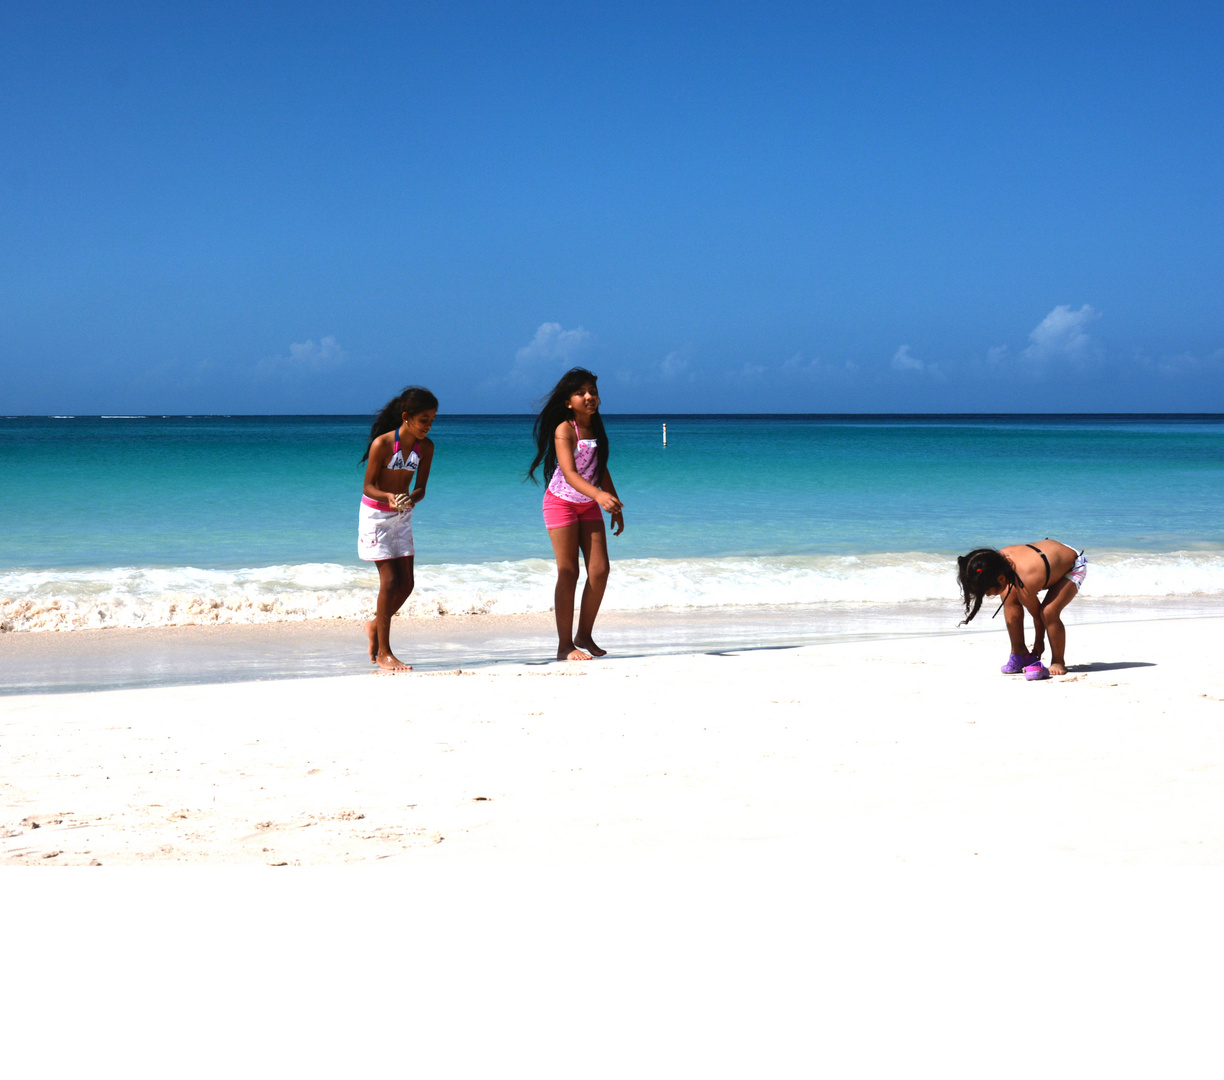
(119, 658)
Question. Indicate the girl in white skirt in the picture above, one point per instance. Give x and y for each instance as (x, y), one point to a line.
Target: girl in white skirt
(397, 460)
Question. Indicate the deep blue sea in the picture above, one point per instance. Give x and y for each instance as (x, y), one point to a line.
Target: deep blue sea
(151, 520)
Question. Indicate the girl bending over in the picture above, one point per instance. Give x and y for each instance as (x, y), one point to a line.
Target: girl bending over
(573, 446)
(1018, 574)
(397, 459)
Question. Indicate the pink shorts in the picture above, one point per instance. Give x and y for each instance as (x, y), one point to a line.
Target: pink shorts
(559, 513)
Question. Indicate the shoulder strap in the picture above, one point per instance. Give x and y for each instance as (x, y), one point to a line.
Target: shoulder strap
(1044, 560)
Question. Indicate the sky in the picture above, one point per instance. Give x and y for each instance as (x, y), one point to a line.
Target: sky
(717, 207)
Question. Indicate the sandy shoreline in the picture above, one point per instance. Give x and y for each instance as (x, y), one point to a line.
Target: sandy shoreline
(907, 750)
(119, 658)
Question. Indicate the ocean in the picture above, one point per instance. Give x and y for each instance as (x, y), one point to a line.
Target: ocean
(154, 521)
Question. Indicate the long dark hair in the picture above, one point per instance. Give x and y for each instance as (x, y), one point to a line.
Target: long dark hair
(554, 412)
(410, 400)
(979, 572)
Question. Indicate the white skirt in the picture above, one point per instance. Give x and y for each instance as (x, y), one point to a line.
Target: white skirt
(383, 534)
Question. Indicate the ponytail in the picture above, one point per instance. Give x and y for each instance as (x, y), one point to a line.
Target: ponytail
(978, 572)
(411, 400)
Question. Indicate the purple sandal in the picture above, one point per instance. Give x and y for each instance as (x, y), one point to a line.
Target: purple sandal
(1016, 664)
(1036, 671)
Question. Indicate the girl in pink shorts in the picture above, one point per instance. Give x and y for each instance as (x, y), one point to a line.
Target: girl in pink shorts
(572, 445)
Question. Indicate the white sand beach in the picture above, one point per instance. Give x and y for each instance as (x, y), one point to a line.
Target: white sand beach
(910, 750)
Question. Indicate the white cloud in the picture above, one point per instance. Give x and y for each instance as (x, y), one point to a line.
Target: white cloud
(1062, 336)
(813, 367)
(903, 360)
(541, 361)
(1183, 365)
(676, 363)
(326, 353)
(305, 357)
(996, 354)
(554, 344)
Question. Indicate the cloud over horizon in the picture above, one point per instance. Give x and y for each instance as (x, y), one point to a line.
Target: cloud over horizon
(305, 357)
(904, 360)
(1062, 336)
(554, 344)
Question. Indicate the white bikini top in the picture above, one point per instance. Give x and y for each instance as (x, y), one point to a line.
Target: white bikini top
(398, 461)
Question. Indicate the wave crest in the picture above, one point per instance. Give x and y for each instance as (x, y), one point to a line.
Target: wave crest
(182, 596)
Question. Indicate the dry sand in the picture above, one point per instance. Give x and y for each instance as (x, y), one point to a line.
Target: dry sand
(912, 750)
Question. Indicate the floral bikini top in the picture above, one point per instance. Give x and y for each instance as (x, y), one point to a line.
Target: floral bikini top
(586, 461)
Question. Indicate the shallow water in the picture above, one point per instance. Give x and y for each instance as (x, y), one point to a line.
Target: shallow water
(93, 660)
(167, 521)
(226, 493)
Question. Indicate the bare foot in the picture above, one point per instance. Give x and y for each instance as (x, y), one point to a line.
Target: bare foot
(389, 663)
(590, 646)
(1057, 669)
(572, 654)
(372, 634)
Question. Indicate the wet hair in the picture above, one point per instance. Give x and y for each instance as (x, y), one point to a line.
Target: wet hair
(978, 572)
(411, 400)
(555, 411)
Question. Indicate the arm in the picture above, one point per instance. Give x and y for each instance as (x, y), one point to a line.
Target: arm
(380, 454)
(422, 473)
(1033, 607)
(618, 515)
(565, 443)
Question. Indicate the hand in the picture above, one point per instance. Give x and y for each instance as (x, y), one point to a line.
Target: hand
(403, 501)
(1038, 647)
(618, 523)
(610, 503)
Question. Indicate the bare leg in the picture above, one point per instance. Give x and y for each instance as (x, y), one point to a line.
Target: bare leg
(395, 583)
(594, 543)
(1013, 615)
(1058, 597)
(565, 548)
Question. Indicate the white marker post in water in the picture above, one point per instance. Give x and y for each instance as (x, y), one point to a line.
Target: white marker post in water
(664, 434)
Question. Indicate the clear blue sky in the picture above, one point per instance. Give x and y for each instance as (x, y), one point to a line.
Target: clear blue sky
(718, 207)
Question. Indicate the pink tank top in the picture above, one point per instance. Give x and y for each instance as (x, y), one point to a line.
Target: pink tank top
(584, 458)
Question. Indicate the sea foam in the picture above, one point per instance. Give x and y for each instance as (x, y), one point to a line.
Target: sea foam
(181, 596)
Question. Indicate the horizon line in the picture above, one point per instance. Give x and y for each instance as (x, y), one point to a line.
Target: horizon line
(639, 415)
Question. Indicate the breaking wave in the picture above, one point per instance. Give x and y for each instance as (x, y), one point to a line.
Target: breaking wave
(180, 596)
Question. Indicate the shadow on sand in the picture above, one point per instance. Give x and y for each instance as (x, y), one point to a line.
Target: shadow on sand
(1073, 668)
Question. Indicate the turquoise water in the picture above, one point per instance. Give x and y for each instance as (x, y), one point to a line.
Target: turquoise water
(246, 491)
(155, 520)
